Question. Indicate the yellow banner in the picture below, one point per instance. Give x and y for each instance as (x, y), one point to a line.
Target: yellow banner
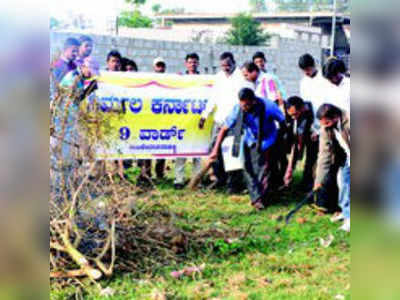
(160, 115)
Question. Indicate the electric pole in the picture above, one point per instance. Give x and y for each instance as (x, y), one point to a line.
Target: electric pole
(333, 28)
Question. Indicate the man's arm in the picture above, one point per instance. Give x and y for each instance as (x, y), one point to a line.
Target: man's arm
(221, 136)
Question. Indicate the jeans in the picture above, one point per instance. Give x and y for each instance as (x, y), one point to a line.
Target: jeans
(344, 189)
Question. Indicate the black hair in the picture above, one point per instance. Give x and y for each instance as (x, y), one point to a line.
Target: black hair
(192, 56)
(295, 101)
(329, 111)
(85, 38)
(127, 62)
(226, 55)
(333, 67)
(114, 53)
(306, 61)
(259, 54)
(246, 93)
(250, 66)
(69, 42)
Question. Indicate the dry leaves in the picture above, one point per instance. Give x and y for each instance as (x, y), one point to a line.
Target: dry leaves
(188, 271)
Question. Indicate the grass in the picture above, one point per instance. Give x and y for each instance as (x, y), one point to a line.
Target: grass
(271, 261)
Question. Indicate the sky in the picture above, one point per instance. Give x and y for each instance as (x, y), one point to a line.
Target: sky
(104, 8)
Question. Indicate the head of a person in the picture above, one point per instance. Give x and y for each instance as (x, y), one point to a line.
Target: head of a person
(328, 115)
(128, 65)
(90, 67)
(295, 107)
(227, 63)
(71, 49)
(159, 65)
(114, 61)
(307, 64)
(247, 99)
(192, 63)
(334, 70)
(86, 47)
(250, 71)
(260, 60)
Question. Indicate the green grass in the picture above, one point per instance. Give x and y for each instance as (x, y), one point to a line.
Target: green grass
(272, 261)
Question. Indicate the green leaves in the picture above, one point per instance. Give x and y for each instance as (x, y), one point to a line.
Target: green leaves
(246, 31)
(134, 19)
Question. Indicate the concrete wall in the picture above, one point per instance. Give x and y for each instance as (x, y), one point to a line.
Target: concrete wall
(282, 55)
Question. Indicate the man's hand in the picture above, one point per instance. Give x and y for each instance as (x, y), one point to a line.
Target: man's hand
(288, 177)
(317, 186)
(201, 123)
(213, 156)
(314, 136)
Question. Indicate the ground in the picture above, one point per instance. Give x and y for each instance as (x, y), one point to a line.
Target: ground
(270, 260)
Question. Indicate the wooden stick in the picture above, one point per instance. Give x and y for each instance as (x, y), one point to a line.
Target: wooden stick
(197, 178)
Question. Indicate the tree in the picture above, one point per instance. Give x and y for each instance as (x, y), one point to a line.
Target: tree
(258, 5)
(136, 3)
(246, 31)
(134, 19)
(156, 8)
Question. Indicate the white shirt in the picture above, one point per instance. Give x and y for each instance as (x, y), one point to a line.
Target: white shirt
(339, 95)
(225, 94)
(313, 89)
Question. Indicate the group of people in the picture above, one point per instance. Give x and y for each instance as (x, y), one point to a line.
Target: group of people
(274, 131)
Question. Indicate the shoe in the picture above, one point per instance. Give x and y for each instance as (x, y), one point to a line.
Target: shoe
(346, 225)
(337, 217)
(178, 186)
(258, 205)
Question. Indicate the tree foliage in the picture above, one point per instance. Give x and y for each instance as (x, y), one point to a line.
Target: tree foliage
(312, 5)
(246, 31)
(134, 19)
(156, 8)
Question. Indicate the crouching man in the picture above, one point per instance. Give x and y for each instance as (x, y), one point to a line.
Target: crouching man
(253, 119)
(334, 148)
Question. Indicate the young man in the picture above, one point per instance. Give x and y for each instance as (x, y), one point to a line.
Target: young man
(114, 61)
(313, 86)
(302, 140)
(192, 64)
(260, 60)
(339, 91)
(264, 85)
(159, 66)
(128, 65)
(334, 148)
(85, 49)
(256, 118)
(66, 62)
(229, 81)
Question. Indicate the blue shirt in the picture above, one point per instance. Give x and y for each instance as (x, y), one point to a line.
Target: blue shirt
(251, 123)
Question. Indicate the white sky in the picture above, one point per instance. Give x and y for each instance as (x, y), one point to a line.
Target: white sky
(104, 8)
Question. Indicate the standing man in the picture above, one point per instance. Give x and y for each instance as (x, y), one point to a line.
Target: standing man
(229, 81)
(303, 140)
(313, 86)
(85, 49)
(159, 66)
(260, 60)
(192, 65)
(256, 118)
(339, 92)
(264, 85)
(66, 62)
(334, 148)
